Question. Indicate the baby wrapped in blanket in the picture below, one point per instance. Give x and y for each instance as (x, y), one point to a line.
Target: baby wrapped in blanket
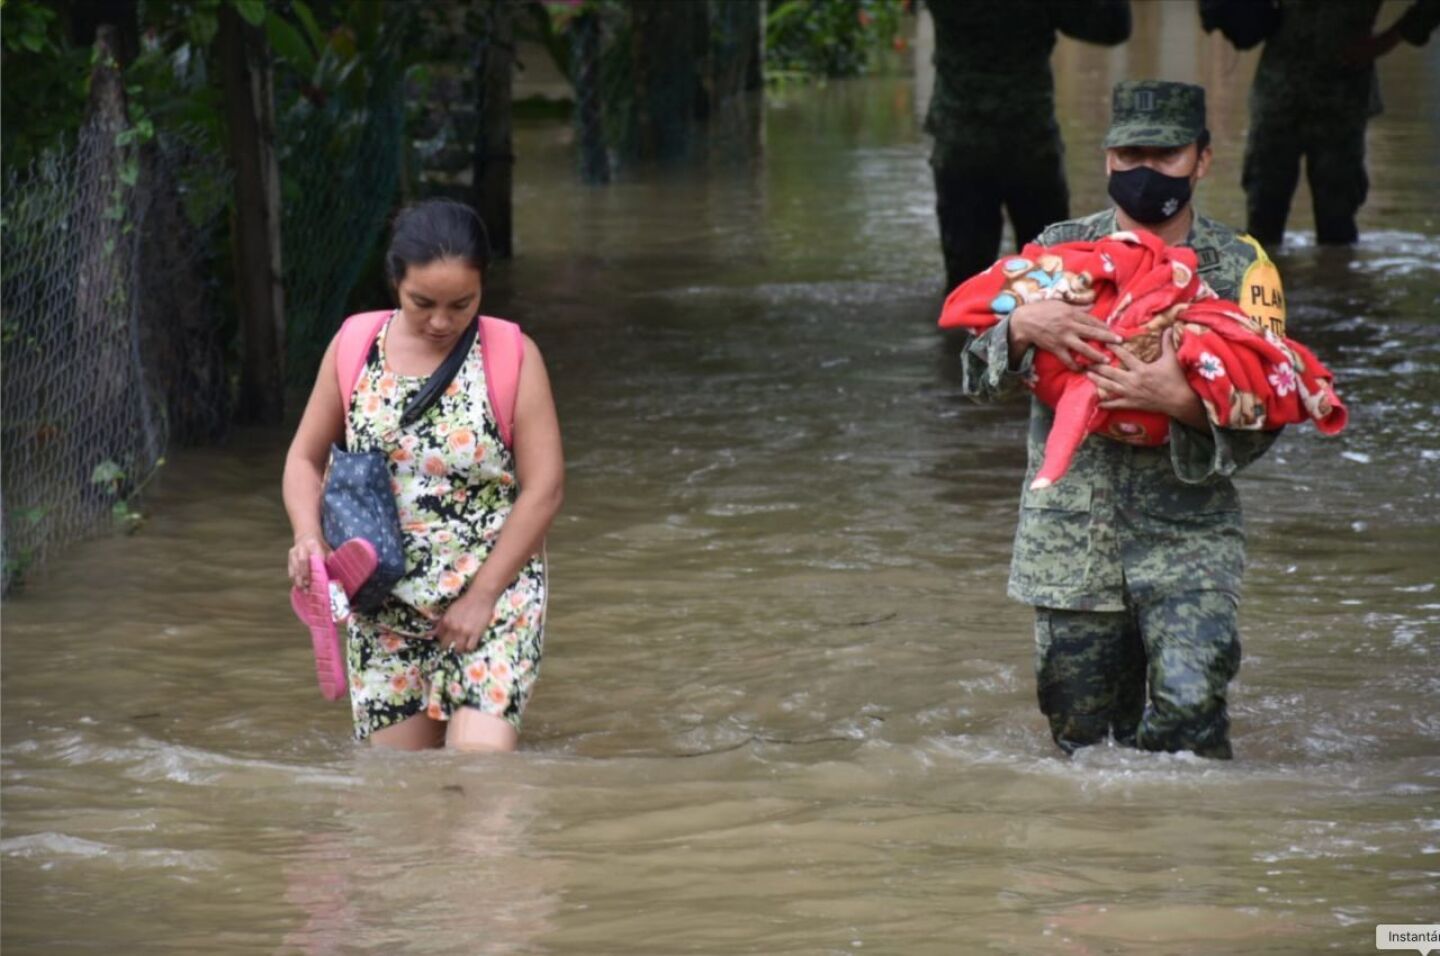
(1248, 375)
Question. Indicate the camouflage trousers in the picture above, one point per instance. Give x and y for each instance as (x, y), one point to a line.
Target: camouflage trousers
(971, 192)
(1334, 154)
(1092, 669)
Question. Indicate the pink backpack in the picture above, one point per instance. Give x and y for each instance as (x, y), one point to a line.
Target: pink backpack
(502, 348)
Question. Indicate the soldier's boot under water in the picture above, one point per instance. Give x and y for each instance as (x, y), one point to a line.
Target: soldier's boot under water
(1193, 647)
(1071, 732)
(1166, 724)
(1121, 720)
(1090, 676)
(1205, 732)
(1206, 735)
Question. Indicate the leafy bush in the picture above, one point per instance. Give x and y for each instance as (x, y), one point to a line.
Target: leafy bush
(830, 38)
(43, 95)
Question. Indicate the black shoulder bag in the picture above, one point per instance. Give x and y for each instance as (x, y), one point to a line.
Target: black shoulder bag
(358, 502)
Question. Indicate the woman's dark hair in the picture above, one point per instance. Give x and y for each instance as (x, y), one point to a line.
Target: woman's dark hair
(1202, 141)
(433, 230)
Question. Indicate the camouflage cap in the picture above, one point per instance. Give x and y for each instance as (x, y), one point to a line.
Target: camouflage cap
(1155, 113)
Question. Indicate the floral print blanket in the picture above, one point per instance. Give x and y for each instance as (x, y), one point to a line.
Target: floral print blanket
(1246, 374)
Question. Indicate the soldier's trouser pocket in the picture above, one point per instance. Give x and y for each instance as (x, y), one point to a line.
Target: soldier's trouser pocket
(1089, 675)
(1193, 645)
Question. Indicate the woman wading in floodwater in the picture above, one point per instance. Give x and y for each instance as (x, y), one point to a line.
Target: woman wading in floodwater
(451, 656)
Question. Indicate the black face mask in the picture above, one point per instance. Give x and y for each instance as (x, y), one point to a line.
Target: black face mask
(1148, 196)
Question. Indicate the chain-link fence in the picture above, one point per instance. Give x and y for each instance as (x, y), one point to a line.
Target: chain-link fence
(109, 330)
(115, 264)
(340, 174)
(184, 193)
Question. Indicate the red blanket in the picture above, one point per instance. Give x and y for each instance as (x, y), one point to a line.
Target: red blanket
(1246, 376)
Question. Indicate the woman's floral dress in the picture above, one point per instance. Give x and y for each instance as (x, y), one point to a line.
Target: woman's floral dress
(454, 484)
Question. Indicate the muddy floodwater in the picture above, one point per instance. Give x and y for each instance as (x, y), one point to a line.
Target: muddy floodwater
(786, 707)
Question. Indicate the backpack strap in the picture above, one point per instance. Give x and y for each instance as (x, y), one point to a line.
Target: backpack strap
(356, 336)
(502, 349)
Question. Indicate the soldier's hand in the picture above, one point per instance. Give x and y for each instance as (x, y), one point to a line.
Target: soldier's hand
(1060, 329)
(1157, 386)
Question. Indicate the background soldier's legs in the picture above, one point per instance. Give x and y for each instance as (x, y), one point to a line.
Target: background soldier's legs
(1193, 647)
(1335, 169)
(1089, 675)
(1271, 173)
(968, 203)
(1036, 195)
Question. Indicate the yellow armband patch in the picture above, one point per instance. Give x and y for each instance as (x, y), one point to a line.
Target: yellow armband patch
(1261, 294)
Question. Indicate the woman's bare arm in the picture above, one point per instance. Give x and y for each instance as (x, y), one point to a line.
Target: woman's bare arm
(322, 424)
(540, 472)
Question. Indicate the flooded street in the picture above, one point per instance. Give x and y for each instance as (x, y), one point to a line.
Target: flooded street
(785, 706)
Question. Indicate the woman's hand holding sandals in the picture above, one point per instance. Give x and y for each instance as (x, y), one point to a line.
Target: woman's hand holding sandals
(299, 563)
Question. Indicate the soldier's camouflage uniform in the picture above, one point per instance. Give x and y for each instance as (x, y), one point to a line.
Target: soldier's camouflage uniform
(1306, 101)
(1134, 559)
(992, 117)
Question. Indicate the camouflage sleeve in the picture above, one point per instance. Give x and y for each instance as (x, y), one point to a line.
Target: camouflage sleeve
(1419, 22)
(1094, 21)
(985, 364)
(1219, 453)
(1056, 233)
(985, 361)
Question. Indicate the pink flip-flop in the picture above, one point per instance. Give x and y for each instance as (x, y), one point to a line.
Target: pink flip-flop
(351, 564)
(312, 606)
